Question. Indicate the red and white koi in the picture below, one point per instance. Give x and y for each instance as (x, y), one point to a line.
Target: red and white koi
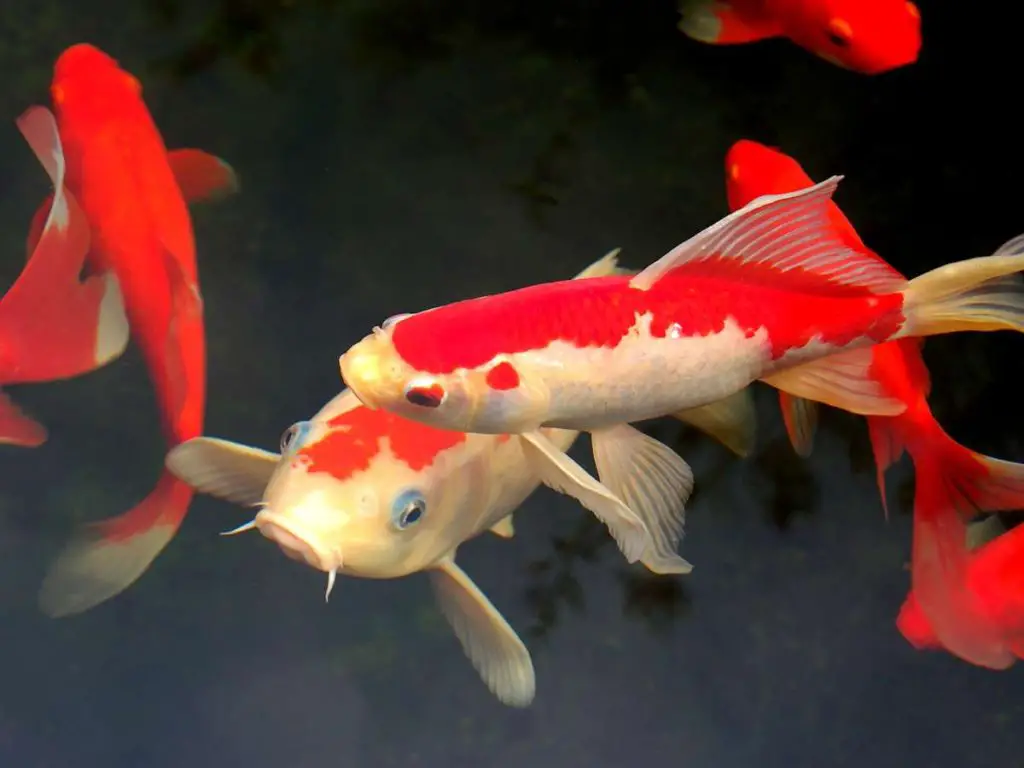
(768, 293)
(369, 494)
(53, 324)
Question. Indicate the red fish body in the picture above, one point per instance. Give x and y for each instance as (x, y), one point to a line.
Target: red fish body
(953, 483)
(121, 174)
(53, 324)
(867, 36)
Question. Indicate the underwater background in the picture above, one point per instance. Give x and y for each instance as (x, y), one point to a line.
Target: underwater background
(402, 154)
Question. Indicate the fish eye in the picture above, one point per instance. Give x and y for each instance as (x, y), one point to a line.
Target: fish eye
(839, 33)
(294, 436)
(425, 394)
(407, 508)
(393, 319)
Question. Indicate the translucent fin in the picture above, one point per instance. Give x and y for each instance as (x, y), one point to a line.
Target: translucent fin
(801, 419)
(221, 468)
(732, 421)
(717, 22)
(842, 380)
(105, 558)
(18, 429)
(503, 528)
(653, 481)
(776, 235)
(201, 176)
(492, 646)
(559, 472)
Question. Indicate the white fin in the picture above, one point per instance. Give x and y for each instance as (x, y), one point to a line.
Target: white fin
(983, 531)
(842, 380)
(503, 528)
(801, 419)
(697, 20)
(493, 647)
(786, 232)
(558, 471)
(606, 265)
(223, 469)
(732, 421)
(655, 482)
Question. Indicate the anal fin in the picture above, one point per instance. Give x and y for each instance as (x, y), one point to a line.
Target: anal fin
(842, 380)
(800, 417)
(732, 421)
(503, 528)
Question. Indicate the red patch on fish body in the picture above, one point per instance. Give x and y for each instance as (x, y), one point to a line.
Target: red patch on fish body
(355, 437)
(694, 300)
(503, 376)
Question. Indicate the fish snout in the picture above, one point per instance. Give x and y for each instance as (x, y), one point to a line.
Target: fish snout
(297, 544)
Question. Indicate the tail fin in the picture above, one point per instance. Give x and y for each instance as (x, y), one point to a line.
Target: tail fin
(953, 485)
(18, 429)
(108, 556)
(982, 294)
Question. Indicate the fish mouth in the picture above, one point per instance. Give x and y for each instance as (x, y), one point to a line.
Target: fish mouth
(295, 543)
(361, 373)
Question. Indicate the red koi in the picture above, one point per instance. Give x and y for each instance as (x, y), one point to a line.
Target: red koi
(953, 482)
(121, 174)
(866, 36)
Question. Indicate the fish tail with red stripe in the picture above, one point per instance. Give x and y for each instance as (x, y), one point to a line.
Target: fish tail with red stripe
(954, 484)
(106, 557)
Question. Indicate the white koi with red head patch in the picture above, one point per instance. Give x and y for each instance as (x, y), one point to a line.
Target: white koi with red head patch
(769, 293)
(366, 493)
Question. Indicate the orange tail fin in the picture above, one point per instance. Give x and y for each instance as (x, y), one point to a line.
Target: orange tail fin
(106, 557)
(953, 484)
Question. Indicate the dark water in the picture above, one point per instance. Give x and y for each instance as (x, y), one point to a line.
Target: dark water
(397, 155)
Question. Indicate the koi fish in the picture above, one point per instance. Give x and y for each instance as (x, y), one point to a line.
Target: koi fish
(953, 483)
(122, 176)
(866, 36)
(369, 494)
(994, 579)
(53, 324)
(768, 293)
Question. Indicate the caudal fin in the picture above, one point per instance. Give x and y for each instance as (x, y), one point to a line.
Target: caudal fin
(982, 294)
(953, 485)
(18, 429)
(106, 557)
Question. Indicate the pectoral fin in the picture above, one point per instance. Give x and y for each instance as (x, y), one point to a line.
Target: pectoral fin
(653, 481)
(801, 419)
(220, 468)
(732, 421)
(202, 177)
(492, 646)
(982, 532)
(18, 429)
(842, 380)
(503, 528)
(556, 470)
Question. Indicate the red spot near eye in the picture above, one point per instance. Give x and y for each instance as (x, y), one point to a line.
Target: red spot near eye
(426, 397)
(356, 439)
(503, 376)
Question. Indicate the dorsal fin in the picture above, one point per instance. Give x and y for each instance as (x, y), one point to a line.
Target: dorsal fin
(787, 237)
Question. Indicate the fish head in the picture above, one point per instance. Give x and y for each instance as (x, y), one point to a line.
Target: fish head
(866, 36)
(90, 81)
(365, 493)
(493, 398)
(753, 169)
